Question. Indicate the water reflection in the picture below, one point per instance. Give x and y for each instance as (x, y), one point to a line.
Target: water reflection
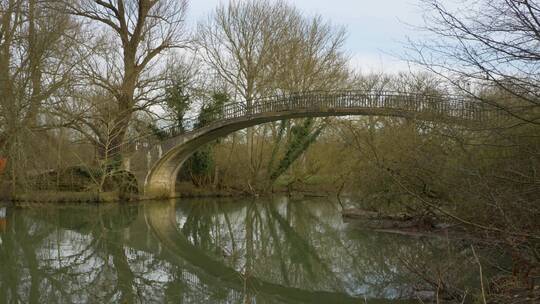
(208, 251)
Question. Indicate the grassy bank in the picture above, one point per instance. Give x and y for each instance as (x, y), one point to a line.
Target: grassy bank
(68, 197)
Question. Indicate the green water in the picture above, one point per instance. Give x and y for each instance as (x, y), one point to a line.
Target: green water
(212, 251)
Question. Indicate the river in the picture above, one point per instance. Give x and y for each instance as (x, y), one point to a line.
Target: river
(215, 251)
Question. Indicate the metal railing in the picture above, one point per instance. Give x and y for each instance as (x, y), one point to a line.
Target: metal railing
(437, 107)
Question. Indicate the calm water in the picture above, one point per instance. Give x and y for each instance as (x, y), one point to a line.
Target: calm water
(212, 251)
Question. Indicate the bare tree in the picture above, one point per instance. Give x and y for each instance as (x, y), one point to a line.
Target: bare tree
(310, 56)
(239, 43)
(135, 35)
(491, 45)
(268, 47)
(36, 60)
(490, 53)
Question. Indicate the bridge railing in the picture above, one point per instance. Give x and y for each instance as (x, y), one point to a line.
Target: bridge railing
(457, 108)
(320, 101)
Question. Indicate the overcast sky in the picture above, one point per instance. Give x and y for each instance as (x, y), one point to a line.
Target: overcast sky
(376, 29)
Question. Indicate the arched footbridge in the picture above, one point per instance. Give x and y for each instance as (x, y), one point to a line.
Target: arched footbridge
(164, 159)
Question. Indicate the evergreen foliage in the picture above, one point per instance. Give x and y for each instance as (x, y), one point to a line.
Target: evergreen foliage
(200, 166)
(300, 139)
(178, 100)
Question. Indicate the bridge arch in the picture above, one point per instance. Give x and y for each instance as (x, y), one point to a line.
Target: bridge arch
(161, 177)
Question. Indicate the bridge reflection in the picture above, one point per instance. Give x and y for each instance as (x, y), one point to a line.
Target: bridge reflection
(203, 251)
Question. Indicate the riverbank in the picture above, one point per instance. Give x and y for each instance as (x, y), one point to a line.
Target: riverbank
(68, 197)
(183, 190)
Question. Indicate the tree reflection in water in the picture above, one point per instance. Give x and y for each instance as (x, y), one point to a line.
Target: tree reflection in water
(213, 251)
